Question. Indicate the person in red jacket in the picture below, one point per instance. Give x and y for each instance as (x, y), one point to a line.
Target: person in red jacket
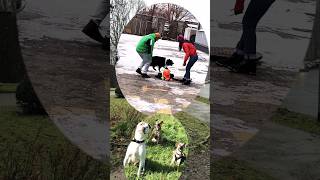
(191, 54)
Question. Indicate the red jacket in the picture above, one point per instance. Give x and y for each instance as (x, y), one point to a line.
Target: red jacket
(189, 49)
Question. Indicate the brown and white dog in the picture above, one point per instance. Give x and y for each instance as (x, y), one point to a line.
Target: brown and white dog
(136, 151)
(156, 134)
(178, 157)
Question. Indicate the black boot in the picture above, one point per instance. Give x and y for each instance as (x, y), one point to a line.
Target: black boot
(92, 30)
(187, 82)
(183, 80)
(138, 71)
(145, 75)
(247, 66)
(234, 59)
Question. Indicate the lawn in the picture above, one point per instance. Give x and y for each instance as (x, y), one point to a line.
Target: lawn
(124, 118)
(159, 156)
(229, 168)
(8, 87)
(202, 99)
(297, 121)
(33, 148)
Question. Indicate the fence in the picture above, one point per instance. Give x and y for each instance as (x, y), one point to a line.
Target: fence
(144, 24)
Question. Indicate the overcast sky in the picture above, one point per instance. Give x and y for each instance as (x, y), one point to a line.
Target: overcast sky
(200, 10)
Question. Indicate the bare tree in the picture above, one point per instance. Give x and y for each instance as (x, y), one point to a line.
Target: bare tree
(313, 51)
(122, 11)
(171, 12)
(175, 12)
(11, 63)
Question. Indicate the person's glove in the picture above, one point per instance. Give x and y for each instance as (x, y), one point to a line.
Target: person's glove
(238, 7)
(184, 63)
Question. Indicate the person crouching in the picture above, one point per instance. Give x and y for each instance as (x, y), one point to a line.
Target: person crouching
(145, 49)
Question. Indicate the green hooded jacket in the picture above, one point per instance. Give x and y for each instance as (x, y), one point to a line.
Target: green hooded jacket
(145, 43)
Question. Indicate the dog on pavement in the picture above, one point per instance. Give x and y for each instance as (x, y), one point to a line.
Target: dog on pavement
(178, 157)
(160, 62)
(136, 151)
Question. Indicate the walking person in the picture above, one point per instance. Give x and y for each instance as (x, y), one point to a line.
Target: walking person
(245, 58)
(191, 54)
(145, 50)
(180, 39)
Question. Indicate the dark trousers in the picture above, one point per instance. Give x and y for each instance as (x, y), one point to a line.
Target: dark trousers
(180, 46)
(255, 11)
(192, 60)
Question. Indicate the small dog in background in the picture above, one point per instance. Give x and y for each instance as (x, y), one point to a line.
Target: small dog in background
(161, 62)
(178, 157)
(156, 134)
(136, 151)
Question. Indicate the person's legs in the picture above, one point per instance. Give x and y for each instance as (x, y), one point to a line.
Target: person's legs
(191, 62)
(255, 11)
(246, 47)
(144, 65)
(142, 62)
(147, 59)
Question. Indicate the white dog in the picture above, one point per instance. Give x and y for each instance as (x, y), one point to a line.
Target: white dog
(136, 151)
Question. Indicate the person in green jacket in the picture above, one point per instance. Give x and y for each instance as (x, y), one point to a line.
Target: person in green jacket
(145, 49)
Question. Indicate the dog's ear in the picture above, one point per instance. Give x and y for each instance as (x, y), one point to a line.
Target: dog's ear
(185, 145)
(177, 144)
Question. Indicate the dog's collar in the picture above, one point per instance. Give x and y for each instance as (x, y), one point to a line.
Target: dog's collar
(182, 157)
(136, 141)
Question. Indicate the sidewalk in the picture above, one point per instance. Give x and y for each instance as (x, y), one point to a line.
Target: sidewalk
(303, 96)
(283, 153)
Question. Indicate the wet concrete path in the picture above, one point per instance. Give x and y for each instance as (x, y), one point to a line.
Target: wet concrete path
(303, 96)
(68, 70)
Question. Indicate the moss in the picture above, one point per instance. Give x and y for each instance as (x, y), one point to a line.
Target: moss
(203, 99)
(296, 120)
(8, 87)
(33, 148)
(229, 168)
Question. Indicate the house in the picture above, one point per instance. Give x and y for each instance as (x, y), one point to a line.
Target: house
(197, 36)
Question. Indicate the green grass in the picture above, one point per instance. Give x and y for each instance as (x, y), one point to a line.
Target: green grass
(124, 119)
(198, 131)
(296, 120)
(159, 156)
(229, 168)
(8, 87)
(203, 99)
(33, 148)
